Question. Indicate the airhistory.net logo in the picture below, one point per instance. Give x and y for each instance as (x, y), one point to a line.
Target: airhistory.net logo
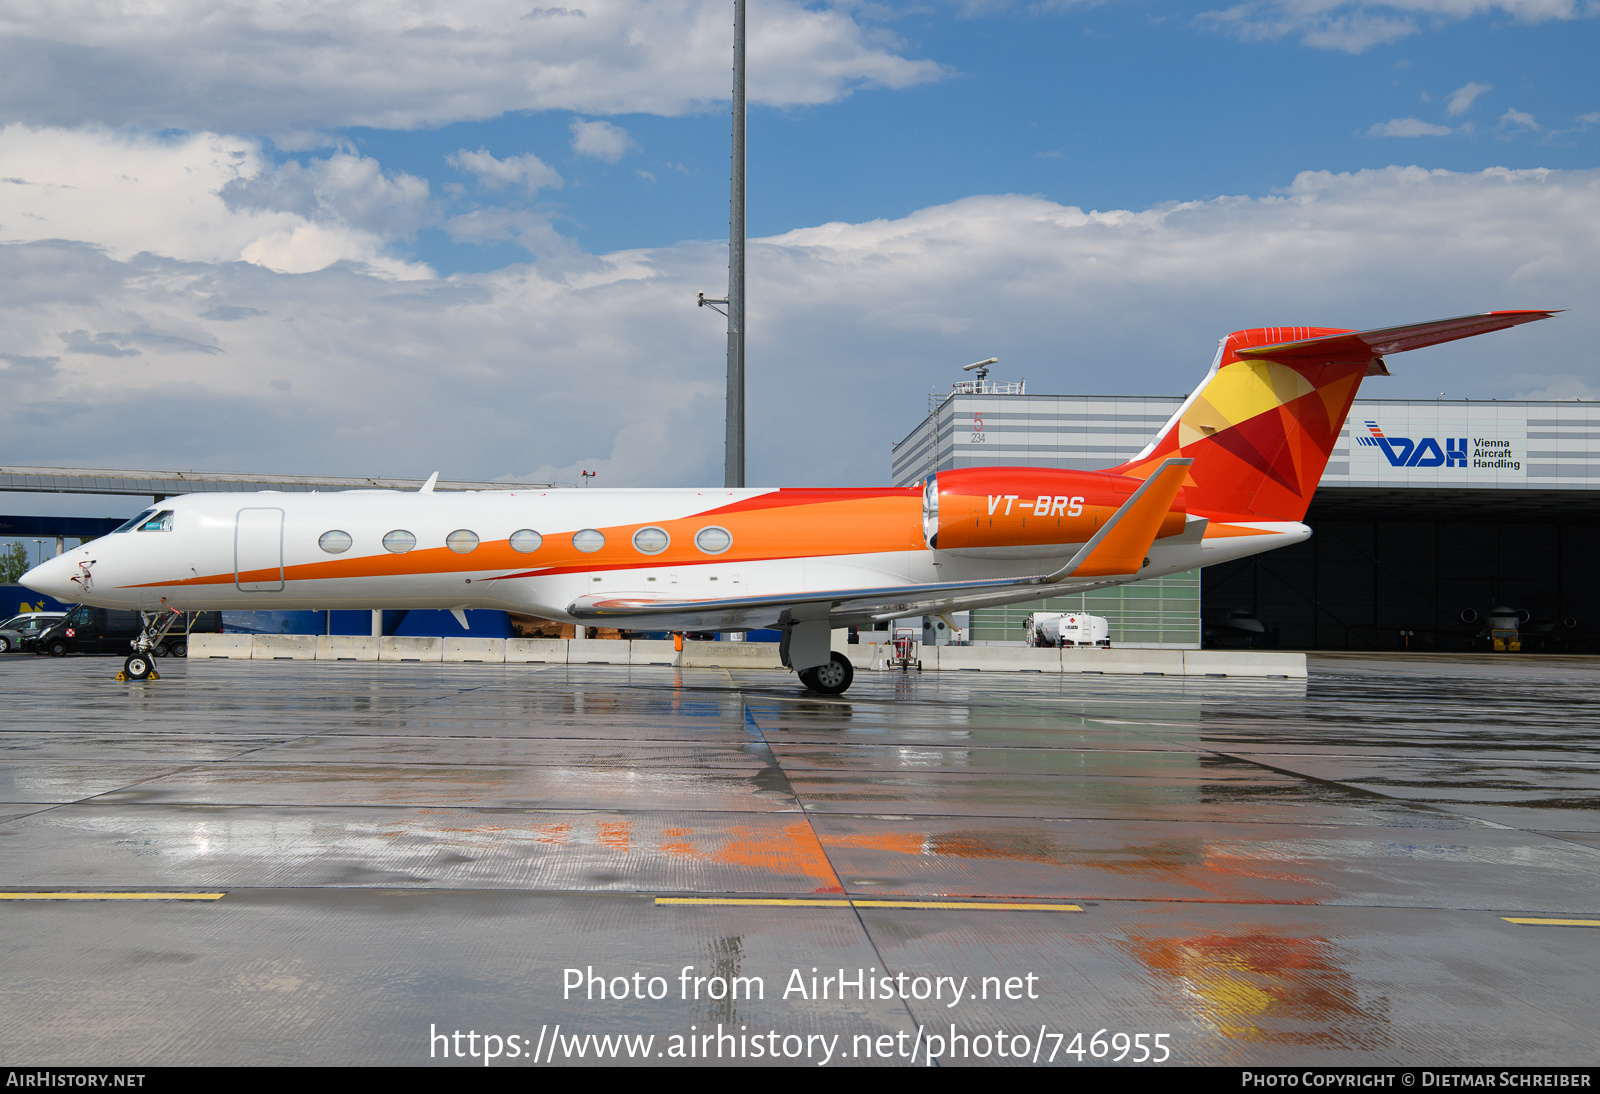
(1404, 452)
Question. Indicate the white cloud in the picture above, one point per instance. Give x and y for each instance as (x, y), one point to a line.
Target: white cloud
(1409, 127)
(602, 140)
(278, 66)
(342, 188)
(527, 228)
(1461, 98)
(1566, 387)
(1355, 27)
(1514, 120)
(603, 362)
(527, 170)
(204, 198)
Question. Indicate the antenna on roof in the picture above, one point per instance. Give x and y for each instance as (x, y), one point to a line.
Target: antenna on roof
(982, 367)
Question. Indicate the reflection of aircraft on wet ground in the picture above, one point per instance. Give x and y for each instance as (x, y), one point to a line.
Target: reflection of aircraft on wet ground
(1230, 475)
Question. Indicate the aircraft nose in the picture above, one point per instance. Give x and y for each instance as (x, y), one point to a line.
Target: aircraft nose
(52, 577)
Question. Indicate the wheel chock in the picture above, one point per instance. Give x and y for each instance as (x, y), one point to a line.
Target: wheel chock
(122, 678)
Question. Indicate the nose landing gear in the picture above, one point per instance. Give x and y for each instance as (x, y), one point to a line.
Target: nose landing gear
(138, 667)
(140, 664)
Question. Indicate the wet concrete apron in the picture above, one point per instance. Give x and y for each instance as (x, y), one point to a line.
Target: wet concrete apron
(1266, 872)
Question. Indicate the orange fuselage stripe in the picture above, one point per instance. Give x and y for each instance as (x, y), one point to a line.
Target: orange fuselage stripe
(876, 523)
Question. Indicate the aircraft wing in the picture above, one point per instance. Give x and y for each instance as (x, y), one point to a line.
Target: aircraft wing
(1114, 555)
(842, 606)
(1377, 343)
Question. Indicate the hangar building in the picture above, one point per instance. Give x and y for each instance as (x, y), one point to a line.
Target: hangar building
(1428, 511)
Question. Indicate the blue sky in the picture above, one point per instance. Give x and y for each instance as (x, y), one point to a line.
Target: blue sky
(1109, 107)
(398, 238)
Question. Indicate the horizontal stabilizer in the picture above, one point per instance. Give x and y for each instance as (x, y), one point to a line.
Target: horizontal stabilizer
(1376, 343)
(1120, 547)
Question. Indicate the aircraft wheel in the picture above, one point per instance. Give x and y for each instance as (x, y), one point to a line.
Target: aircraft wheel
(137, 667)
(57, 648)
(832, 678)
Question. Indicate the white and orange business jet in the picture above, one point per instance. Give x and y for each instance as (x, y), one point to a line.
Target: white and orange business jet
(1230, 475)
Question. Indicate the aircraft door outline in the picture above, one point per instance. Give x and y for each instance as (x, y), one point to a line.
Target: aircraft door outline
(258, 545)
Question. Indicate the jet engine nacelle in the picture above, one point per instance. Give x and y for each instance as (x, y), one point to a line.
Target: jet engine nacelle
(1025, 512)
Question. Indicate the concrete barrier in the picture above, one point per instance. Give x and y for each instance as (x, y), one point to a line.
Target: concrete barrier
(992, 658)
(347, 647)
(652, 651)
(410, 649)
(536, 651)
(867, 655)
(284, 647)
(1123, 662)
(1255, 663)
(744, 655)
(233, 647)
(488, 651)
(731, 655)
(597, 651)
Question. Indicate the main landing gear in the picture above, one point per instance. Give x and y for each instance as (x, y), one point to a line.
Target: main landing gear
(830, 679)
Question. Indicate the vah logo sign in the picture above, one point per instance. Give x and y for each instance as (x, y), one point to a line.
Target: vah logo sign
(1485, 453)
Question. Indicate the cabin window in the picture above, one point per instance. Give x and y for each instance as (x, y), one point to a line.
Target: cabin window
(399, 541)
(526, 540)
(588, 541)
(161, 522)
(651, 541)
(334, 542)
(461, 541)
(713, 540)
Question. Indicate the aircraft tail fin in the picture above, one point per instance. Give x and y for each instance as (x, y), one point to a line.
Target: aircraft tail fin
(1261, 426)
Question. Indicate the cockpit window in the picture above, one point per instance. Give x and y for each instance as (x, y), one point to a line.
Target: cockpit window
(130, 525)
(161, 522)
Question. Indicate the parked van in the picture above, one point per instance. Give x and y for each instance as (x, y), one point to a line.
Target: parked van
(18, 632)
(112, 630)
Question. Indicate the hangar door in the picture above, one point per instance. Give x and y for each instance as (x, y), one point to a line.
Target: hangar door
(258, 550)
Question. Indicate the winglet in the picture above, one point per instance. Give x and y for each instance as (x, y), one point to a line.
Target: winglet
(427, 487)
(1119, 548)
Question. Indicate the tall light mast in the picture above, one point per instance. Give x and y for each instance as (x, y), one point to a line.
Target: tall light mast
(734, 470)
(733, 460)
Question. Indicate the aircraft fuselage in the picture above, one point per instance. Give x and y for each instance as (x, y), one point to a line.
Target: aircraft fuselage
(537, 553)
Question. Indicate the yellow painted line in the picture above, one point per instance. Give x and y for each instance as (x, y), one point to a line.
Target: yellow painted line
(982, 907)
(112, 896)
(1553, 922)
(802, 902)
(751, 902)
